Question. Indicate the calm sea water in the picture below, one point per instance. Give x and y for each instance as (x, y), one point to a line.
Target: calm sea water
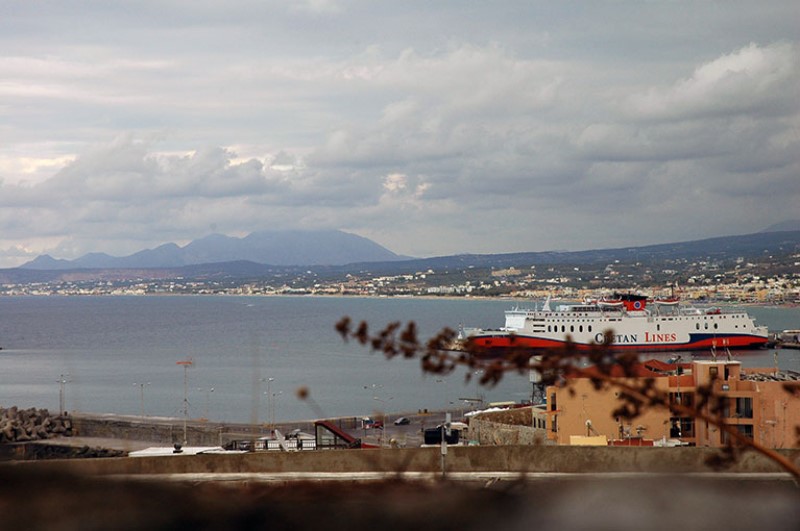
(107, 346)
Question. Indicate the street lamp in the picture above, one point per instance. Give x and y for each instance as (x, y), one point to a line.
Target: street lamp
(141, 397)
(208, 398)
(269, 398)
(185, 364)
(274, 406)
(63, 380)
(383, 418)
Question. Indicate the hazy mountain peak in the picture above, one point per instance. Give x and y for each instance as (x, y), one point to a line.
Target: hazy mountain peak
(46, 261)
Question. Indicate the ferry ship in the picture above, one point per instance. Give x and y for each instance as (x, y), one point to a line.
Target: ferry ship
(632, 325)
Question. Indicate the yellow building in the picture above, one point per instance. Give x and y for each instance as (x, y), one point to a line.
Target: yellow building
(756, 403)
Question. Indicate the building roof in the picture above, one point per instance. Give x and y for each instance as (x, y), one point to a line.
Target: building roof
(773, 376)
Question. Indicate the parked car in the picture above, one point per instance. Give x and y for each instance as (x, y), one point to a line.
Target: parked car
(368, 423)
(402, 421)
(434, 435)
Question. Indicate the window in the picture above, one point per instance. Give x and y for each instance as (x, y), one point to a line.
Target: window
(687, 427)
(553, 402)
(685, 399)
(744, 407)
(681, 427)
(746, 430)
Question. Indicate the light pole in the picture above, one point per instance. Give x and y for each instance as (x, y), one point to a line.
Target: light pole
(269, 399)
(208, 398)
(185, 364)
(141, 397)
(62, 380)
(275, 405)
(383, 418)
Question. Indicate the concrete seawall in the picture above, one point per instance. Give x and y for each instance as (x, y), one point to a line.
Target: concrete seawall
(522, 458)
(531, 459)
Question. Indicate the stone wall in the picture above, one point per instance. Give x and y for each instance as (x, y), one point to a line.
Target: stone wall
(168, 431)
(165, 432)
(486, 433)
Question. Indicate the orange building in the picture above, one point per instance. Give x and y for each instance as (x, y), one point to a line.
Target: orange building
(756, 403)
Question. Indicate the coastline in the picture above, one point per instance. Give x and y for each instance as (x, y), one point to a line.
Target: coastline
(499, 298)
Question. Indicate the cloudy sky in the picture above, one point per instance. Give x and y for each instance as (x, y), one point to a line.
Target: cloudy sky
(430, 127)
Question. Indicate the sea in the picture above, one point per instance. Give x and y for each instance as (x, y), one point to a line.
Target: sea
(255, 359)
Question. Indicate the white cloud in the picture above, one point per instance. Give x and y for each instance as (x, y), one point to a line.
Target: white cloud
(753, 77)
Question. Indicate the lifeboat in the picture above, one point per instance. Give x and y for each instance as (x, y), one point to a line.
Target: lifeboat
(667, 301)
(610, 303)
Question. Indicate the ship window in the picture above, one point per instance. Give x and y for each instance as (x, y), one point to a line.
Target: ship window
(658, 327)
(580, 328)
(706, 326)
(697, 326)
(716, 326)
(563, 328)
(590, 328)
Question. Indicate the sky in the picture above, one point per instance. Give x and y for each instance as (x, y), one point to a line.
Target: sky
(432, 128)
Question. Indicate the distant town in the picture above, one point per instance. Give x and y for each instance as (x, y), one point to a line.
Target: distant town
(768, 280)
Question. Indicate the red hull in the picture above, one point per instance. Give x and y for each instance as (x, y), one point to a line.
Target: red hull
(698, 342)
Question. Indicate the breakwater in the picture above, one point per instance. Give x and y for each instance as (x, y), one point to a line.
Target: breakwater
(31, 424)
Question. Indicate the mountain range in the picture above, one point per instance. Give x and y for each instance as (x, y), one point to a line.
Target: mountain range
(278, 248)
(336, 253)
